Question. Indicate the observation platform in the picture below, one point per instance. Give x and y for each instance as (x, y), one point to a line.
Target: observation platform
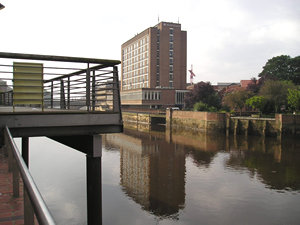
(68, 99)
(42, 95)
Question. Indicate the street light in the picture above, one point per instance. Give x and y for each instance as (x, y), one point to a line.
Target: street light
(1, 6)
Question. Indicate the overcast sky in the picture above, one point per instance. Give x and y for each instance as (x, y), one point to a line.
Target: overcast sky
(228, 40)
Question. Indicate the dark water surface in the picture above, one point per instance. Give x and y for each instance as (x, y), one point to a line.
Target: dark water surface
(175, 178)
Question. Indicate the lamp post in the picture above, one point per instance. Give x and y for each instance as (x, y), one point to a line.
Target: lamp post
(1, 6)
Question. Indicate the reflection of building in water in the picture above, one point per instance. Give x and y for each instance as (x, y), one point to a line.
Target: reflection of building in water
(152, 171)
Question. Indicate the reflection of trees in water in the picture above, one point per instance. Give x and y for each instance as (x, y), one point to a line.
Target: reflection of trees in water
(276, 163)
(200, 146)
(200, 158)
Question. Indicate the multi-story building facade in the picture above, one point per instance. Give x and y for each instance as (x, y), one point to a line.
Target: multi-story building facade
(153, 69)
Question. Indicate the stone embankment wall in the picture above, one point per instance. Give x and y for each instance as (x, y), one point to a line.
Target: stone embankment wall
(203, 121)
(222, 122)
(142, 121)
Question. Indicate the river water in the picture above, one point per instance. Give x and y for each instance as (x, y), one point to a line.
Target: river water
(175, 178)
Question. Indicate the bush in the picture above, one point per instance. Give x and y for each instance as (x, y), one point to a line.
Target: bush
(200, 106)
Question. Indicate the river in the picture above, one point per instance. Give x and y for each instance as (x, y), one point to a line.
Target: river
(175, 178)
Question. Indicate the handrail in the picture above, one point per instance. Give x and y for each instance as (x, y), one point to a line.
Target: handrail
(26, 85)
(11, 55)
(42, 212)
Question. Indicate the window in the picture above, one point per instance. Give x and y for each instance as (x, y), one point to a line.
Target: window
(171, 31)
(171, 83)
(171, 53)
(171, 46)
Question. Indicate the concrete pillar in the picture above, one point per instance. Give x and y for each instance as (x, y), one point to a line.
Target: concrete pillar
(94, 182)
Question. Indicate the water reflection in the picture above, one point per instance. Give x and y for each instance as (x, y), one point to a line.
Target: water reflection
(152, 171)
(275, 162)
(153, 164)
(162, 176)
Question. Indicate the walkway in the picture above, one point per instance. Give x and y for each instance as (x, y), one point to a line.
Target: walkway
(11, 209)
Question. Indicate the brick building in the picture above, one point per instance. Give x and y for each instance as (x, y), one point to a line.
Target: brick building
(153, 69)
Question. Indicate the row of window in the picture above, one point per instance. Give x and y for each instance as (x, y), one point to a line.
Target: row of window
(179, 97)
(136, 58)
(135, 80)
(135, 66)
(171, 55)
(135, 86)
(137, 44)
(134, 53)
(135, 72)
(151, 95)
(157, 58)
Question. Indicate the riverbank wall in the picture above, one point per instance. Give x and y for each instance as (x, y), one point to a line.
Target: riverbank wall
(199, 121)
(222, 122)
(142, 121)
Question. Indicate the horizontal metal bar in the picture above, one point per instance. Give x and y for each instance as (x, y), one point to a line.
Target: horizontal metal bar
(79, 72)
(44, 67)
(41, 210)
(104, 62)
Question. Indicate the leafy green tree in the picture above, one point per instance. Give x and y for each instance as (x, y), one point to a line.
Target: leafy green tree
(276, 92)
(200, 106)
(293, 98)
(256, 102)
(236, 99)
(282, 68)
(203, 92)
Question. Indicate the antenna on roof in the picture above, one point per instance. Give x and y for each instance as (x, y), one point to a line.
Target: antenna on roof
(158, 18)
(178, 20)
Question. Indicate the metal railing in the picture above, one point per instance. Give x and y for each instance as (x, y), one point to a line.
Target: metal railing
(58, 83)
(33, 201)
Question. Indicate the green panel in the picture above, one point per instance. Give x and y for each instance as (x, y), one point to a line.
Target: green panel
(28, 83)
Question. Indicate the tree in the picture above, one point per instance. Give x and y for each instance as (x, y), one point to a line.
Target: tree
(256, 102)
(200, 106)
(236, 99)
(254, 86)
(203, 92)
(293, 98)
(276, 92)
(282, 68)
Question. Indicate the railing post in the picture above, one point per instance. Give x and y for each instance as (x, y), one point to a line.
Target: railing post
(87, 94)
(116, 99)
(69, 93)
(25, 150)
(51, 100)
(16, 180)
(94, 90)
(28, 210)
(62, 95)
